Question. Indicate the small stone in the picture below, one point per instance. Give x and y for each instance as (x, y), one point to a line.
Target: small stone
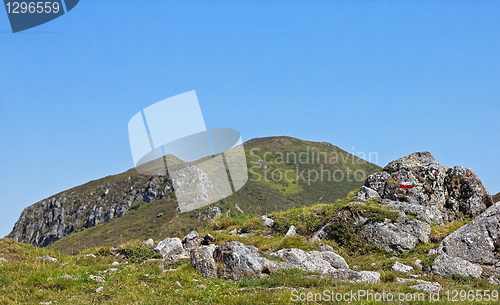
(324, 248)
(418, 263)
(159, 215)
(401, 268)
(97, 278)
(373, 266)
(425, 287)
(267, 221)
(233, 232)
(100, 289)
(356, 267)
(115, 264)
(47, 258)
(149, 243)
(3, 260)
(291, 232)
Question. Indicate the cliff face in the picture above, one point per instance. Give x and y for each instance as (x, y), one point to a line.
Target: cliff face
(86, 206)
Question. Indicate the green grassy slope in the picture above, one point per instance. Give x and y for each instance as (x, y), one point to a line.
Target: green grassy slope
(25, 280)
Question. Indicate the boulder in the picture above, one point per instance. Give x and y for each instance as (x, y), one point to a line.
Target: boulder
(238, 261)
(397, 237)
(355, 276)
(445, 265)
(171, 248)
(202, 259)
(477, 241)
(401, 268)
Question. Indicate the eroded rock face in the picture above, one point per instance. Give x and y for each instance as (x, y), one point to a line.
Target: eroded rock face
(71, 211)
(478, 241)
(438, 194)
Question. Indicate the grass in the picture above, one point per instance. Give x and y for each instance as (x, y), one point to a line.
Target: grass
(438, 233)
(25, 280)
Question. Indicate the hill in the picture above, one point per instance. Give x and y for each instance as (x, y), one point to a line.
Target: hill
(496, 198)
(130, 206)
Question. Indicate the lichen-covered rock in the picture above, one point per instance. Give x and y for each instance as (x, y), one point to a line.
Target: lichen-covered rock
(237, 261)
(397, 237)
(202, 259)
(366, 193)
(437, 194)
(445, 265)
(169, 248)
(478, 241)
(314, 261)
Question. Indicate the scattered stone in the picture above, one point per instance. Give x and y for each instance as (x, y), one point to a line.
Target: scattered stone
(192, 240)
(373, 266)
(115, 264)
(445, 265)
(47, 258)
(425, 287)
(494, 280)
(207, 239)
(432, 252)
(171, 248)
(97, 278)
(233, 232)
(149, 243)
(267, 221)
(418, 263)
(324, 247)
(356, 267)
(110, 270)
(291, 232)
(99, 289)
(3, 260)
(45, 303)
(399, 280)
(401, 268)
(159, 215)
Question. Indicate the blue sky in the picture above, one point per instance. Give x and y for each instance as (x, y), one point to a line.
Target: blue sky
(391, 77)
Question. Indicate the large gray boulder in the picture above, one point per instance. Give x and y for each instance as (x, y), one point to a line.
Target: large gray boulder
(437, 194)
(171, 248)
(314, 261)
(397, 237)
(202, 259)
(478, 241)
(445, 265)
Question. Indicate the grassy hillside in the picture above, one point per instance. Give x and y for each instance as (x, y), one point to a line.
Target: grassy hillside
(496, 198)
(263, 193)
(25, 280)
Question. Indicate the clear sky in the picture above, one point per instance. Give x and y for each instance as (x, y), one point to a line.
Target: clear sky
(391, 77)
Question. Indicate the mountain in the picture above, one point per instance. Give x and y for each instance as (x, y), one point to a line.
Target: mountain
(129, 205)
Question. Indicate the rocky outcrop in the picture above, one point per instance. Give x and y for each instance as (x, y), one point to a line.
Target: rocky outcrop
(477, 243)
(419, 186)
(86, 206)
